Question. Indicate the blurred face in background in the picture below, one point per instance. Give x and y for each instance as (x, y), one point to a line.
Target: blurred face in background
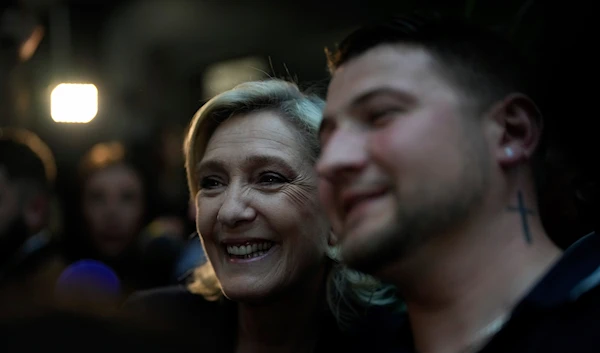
(23, 210)
(9, 205)
(113, 207)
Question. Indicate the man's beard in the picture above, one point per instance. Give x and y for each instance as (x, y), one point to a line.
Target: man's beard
(12, 239)
(413, 228)
(422, 216)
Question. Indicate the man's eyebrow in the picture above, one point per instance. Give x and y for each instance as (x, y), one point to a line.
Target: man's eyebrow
(328, 121)
(381, 91)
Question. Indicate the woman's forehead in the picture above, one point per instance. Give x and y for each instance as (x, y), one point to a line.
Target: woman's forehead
(254, 134)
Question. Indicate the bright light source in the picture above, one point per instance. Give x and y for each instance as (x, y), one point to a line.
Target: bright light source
(74, 103)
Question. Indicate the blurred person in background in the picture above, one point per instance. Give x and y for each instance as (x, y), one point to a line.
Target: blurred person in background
(192, 255)
(168, 236)
(30, 259)
(432, 161)
(113, 211)
(114, 207)
(20, 36)
(272, 267)
(170, 180)
(161, 245)
(31, 264)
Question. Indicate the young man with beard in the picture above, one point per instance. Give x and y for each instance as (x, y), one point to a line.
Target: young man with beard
(431, 143)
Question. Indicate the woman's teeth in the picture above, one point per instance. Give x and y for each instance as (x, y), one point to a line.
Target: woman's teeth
(250, 250)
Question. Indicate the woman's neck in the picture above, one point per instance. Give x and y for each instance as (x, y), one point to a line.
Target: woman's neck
(290, 324)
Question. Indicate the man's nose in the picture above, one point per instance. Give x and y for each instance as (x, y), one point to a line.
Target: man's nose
(343, 155)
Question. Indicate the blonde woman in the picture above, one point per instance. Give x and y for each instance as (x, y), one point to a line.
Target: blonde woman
(272, 282)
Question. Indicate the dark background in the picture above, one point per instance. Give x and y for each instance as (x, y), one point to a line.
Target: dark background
(150, 61)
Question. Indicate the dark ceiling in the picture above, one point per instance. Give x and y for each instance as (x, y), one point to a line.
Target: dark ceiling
(149, 58)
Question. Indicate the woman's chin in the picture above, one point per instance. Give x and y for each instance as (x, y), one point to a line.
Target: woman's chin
(248, 292)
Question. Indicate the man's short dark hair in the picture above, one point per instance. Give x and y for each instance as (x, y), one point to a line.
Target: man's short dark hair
(24, 157)
(475, 60)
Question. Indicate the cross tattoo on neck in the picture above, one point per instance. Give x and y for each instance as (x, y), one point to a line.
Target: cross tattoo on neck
(524, 212)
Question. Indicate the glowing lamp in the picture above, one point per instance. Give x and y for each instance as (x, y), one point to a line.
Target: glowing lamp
(74, 103)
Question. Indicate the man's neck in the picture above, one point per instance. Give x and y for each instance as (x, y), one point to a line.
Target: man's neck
(462, 285)
(290, 324)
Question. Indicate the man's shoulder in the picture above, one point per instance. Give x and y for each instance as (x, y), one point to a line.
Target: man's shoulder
(585, 309)
(562, 312)
(574, 328)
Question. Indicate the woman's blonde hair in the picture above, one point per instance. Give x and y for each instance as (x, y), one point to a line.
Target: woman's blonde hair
(348, 292)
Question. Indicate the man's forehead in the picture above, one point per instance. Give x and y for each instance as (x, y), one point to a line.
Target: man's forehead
(388, 66)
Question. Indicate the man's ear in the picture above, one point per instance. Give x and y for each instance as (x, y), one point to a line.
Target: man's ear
(521, 127)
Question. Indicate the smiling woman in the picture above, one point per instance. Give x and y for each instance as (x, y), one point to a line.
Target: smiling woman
(250, 156)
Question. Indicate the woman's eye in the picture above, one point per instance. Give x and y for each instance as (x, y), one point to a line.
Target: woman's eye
(210, 183)
(271, 178)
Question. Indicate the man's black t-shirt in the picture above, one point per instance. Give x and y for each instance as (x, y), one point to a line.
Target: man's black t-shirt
(560, 315)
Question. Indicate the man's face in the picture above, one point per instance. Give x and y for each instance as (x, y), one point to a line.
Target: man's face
(402, 158)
